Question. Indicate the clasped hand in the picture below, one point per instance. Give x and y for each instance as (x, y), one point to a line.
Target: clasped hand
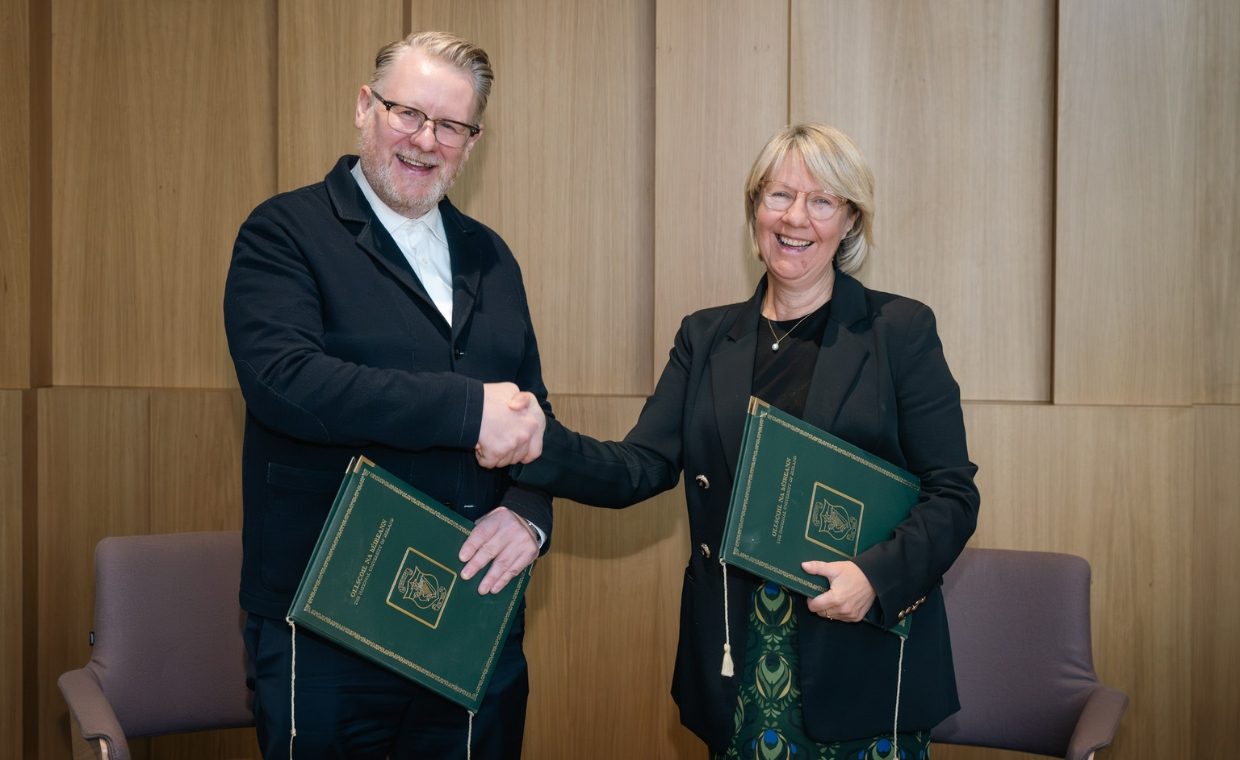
(512, 426)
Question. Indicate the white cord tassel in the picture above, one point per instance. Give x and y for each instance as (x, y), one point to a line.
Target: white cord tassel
(292, 691)
(895, 720)
(727, 669)
(469, 740)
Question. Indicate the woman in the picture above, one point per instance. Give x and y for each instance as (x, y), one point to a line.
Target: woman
(864, 365)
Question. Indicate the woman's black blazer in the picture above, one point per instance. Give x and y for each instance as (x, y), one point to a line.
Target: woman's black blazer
(880, 382)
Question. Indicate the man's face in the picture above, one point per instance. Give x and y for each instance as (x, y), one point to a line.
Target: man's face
(411, 173)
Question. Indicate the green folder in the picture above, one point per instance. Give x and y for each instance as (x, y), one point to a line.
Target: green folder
(803, 494)
(384, 582)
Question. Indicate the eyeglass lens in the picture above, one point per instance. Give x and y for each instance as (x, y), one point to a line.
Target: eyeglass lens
(410, 121)
(819, 206)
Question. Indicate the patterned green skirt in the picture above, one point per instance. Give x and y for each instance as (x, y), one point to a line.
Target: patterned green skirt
(768, 705)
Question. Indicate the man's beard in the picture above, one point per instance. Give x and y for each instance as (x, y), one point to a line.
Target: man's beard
(380, 175)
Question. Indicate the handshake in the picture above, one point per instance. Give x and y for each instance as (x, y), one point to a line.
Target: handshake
(512, 426)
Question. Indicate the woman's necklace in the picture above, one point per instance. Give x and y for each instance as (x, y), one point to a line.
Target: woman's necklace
(778, 340)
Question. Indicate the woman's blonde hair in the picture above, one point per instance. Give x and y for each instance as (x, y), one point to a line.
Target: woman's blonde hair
(833, 159)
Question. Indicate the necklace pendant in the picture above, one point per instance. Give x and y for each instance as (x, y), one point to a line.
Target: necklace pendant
(775, 346)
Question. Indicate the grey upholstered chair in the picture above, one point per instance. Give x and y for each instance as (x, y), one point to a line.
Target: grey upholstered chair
(168, 655)
(1024, 662)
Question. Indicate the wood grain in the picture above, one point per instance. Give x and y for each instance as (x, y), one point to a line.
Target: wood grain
(195, 472)
(1114, 485)
(1217, 205)
(953, 752)
(564, 173)
(12, 560)
(162, 141)
(15, 196)
(1215, 618)
(603, 619)
(953, 105)
(1126, 124)
(93, 466)
(326, 52)
(1061, 185)
(229, 744)
(720, 93)
(121, 462)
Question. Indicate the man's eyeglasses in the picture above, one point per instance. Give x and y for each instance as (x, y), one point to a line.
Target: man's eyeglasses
(409, 120)
(820, 206)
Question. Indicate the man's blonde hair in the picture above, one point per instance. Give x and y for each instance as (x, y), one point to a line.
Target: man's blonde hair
(448, 48)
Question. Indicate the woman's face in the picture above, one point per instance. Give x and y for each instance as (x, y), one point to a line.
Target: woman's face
(796, 248)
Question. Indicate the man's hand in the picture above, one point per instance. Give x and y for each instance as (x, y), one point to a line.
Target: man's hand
(512, 426)
(850, 595)
(503, 539)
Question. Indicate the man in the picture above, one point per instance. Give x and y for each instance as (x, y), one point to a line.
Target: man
(367, 315)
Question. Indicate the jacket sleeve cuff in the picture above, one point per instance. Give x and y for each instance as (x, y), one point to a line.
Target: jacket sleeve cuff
(471, 419)
(532, 505)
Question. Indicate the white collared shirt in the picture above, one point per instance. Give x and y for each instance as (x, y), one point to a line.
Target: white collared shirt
(423, 242)
(425, 246)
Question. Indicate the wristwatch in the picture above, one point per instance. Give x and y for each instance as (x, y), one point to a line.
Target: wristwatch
(535, 532)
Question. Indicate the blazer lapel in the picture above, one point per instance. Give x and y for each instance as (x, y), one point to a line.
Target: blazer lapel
(351, 205)
(376, 241)
(466, 265)
(841, 357)
(731, 370)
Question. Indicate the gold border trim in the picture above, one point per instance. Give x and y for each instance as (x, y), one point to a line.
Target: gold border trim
(519, 583)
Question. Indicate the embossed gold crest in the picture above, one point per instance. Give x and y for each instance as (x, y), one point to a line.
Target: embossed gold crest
(834, 521)
(421, 588)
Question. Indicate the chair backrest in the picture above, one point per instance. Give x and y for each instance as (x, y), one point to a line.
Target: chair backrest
(168, 653)
(1021, 644)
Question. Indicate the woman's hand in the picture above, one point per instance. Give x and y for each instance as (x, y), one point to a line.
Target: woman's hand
(850, 595)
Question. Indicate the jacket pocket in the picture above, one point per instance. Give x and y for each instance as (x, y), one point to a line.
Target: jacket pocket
(296, 505)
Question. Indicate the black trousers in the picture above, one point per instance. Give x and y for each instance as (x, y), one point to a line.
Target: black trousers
(347, 707)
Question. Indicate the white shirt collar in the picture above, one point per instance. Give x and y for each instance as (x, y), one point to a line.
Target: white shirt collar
(391, 219)
(428, 255)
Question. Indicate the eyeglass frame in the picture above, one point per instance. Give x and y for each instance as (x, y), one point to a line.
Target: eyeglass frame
(838, 203)
(473, 129)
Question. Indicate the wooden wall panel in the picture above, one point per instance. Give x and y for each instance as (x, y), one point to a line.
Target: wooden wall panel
(1126, 160)
(1114, 485)
(230, 744)
(952, 104)
(564, 173)
(12, 558)
(326, 52)
(14, 196)
(163, 140)
(1217, 203)
(618, 139)
(603, 619)
(196, 460)
(93, 461)
(721, 91)
(121, 462)
(954, 752)
(1215, 565)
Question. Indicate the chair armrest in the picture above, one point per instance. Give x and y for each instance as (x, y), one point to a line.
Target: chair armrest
(86, 750)
(92, 712)
(1098, 723)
